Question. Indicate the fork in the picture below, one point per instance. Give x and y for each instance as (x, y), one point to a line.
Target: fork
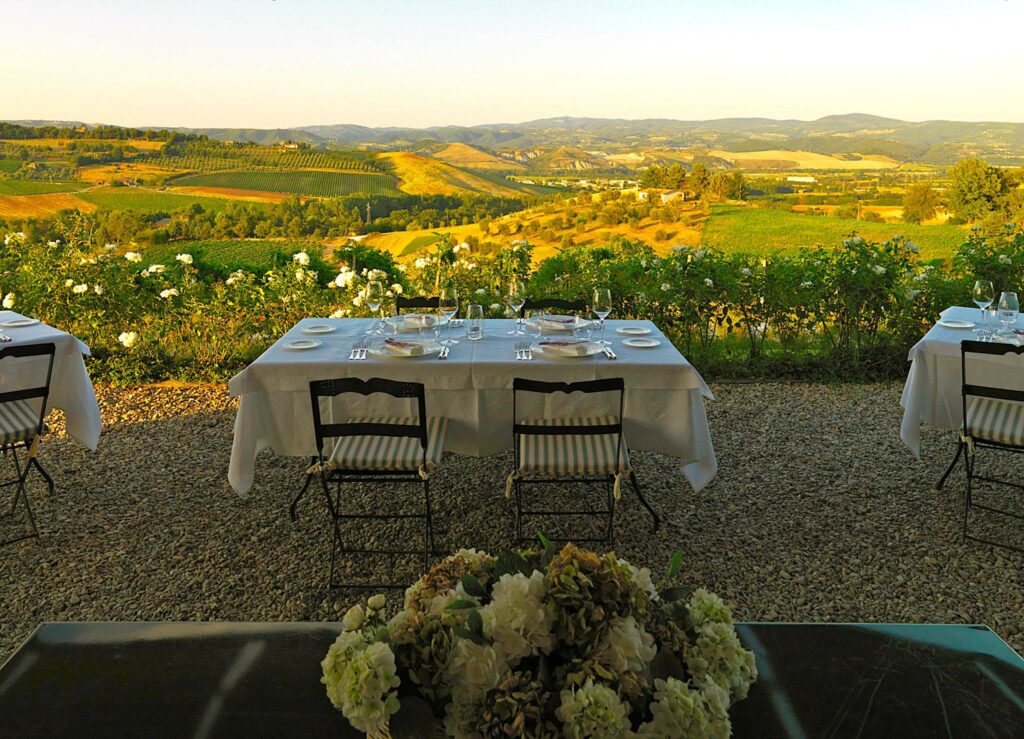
(363, 343)
(4, 338)
(354, 351)
(519, 351)
(443, 354)
(609, 353)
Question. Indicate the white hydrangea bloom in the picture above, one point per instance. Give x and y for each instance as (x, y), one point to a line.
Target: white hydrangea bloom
(717, 655)
(681, 710)
(128, 339)
(98, 289)
(709, 282)
(705, 607)
(481, 291)
(1005, 259)
(361, 679)
(473, 669)
(593, 711)
(642, 579)
(517, 619)
(420, 263)
(302, 258)
(9, 301)
(625, 647)
(169, 293)
(665, 287)
(184, 258)
(399, 627)
(340, 313)
(396, 289)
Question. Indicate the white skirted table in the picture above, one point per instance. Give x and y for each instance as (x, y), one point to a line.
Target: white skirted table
(472, 388)
(932, 393)
(71, 389)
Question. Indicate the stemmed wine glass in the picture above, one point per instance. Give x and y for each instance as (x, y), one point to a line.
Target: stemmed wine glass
(374, 299)
(1009, 307)
(448, 304)
(602, 306)
(983, 295)
(516, 299)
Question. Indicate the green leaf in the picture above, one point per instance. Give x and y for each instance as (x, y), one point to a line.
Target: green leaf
(676, 594)
(665, 665)
(545, 541)
(676, 567)
(461, 604)
(473, 586)
(476, 622)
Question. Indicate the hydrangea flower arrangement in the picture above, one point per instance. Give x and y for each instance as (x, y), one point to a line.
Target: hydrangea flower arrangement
(541, 643)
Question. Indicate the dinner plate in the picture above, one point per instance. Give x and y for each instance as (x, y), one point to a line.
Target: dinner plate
(955, 323)
(19, 322)
(558, 324)
(641, 343)
(632, 330)
(300, 345)
(381, 349)
(592, 348)
(411, 323)
(319, 328)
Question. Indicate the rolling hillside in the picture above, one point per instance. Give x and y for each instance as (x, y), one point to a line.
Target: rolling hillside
(463, 155)
(419, 175)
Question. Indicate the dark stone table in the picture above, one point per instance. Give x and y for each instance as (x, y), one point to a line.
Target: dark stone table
(246, 679)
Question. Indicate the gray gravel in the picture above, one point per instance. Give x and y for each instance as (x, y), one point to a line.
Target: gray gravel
(818, 514)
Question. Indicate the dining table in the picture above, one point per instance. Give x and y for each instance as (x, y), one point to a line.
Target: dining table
(472, 387)
(932, 393)
(71, 389)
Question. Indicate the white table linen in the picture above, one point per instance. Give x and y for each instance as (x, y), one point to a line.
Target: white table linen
(71, 389)
(664, 404)
(932, 393)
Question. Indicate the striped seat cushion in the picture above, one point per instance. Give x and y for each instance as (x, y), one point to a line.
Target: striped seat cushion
(572, 454)
(1000, 421)
(19, 421)
(391, 453)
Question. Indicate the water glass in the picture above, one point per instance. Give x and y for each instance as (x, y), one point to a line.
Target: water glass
(583, 330)
(1009, 307)
(430, 329)
(535, 322)
(475, 322)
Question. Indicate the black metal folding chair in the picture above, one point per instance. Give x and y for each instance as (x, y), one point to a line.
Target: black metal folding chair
(572, 306)
(993, 419)
(560, 450)
(375, 450)
(417, 303)
(22, 425)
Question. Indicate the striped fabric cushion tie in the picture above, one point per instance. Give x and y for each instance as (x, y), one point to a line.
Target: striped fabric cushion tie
(572, 454)
(390, 453)
(992, 419)
(18, 421)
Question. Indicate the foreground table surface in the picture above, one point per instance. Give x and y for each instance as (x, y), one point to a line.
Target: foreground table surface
(664, 404)
(254, 679)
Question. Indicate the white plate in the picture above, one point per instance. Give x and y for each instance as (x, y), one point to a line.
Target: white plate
(380, 349)
(592, 348)
(411, 323)
(19, 322)
(955, 323)
(632, 331)
(300, 345)
(319, 328)
(549, 324)
(641, 343)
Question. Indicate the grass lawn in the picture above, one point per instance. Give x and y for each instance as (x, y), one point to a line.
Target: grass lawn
(148, 201)
(37, 187)
(255, 255)
(765, 230)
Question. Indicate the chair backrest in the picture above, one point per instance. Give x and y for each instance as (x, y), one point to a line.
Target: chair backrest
(332, 388)
(609, 385)
(575, 306)
(417, 303)
(36, 391)
(968, 389)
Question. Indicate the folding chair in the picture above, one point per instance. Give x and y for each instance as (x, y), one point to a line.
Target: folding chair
(22, 425)
(572, 306)
(375, 450)
(418, 303)
(993, 419)
(567, 449)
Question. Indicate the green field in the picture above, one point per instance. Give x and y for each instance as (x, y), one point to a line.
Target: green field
(148, 201)
(766, 230)
(299, 182)
(255, 255)
(37, 187)
(420, 242)
(9, 165)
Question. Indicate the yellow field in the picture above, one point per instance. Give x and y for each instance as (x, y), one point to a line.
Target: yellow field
(46, 143)
(118, 170)
(462, 155)
(36, 206)
(782, 159)
(420, 175)
(230, 193)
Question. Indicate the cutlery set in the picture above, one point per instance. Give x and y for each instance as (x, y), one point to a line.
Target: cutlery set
(359, 350)
(523, 351)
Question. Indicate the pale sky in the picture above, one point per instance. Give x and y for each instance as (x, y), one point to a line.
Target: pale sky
(289, 63)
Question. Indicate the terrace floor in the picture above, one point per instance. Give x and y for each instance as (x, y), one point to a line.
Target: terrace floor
(818, 513)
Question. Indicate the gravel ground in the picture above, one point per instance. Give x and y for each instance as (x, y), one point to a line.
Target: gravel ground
(818, 513)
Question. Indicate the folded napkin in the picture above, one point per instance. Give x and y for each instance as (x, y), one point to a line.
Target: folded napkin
(558, 323)
(568, 348)
(1015, 338)
(404, 347)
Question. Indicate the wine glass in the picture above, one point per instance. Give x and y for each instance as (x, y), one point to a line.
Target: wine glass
(516, 299)
(1009, 307)
(534, 322)
(374, 299)
(448, 304)
(983, 295)
(602, 306)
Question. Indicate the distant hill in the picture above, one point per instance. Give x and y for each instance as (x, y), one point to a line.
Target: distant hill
(420, 175)
(469, 157)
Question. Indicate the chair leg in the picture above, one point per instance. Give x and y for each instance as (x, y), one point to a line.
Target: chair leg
(335, 537)
(21, 492)
(969, 468)
(50, 488)
(956, 458)
(636, 487)
(519, 512)
(293, 512)
(428, 534)
(610, 533)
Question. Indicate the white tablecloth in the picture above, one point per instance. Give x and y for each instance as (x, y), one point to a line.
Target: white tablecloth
(932, 392)
(70, 387)
(664, 405)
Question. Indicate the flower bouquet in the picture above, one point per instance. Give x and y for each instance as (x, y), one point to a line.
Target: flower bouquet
(540, 643)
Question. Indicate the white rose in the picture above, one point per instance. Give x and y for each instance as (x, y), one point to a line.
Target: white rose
(353, 618)
(709, 282)
(396, 289)
(1005, 259)
(481, 291)
(301, 257)
(184, 258)
(376, 602)
(9, 301)
(128, 339)
(156, 269)
(168, 293)
(79, 289)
